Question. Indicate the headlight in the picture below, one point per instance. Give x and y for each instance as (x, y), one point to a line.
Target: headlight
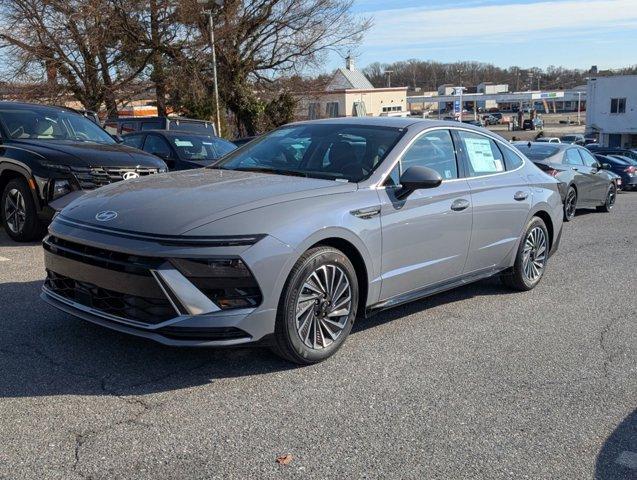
(60, 188)
(228, 282)
(162, 170)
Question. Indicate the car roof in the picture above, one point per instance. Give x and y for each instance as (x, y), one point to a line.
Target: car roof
(396, 122)
(559, 146)
(156, 117)
(26, 105)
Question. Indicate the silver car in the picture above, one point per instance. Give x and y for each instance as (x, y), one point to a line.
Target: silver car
(289, 238)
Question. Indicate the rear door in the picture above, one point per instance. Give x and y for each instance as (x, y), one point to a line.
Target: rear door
(500, 196)
(426, 235)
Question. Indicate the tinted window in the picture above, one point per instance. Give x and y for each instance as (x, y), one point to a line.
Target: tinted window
(537, 151)
(572, 157)
(133, 141)
(321, 150)
(200, 147)
(511, 159)
(157, 146)
(128, 127)
(483, 155)
(589, 159)
(222, 147)
(151, 125)
(190, 126)
(434, 150)
(42, 123)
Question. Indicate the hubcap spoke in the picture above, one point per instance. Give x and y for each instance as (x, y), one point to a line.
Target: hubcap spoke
(534, 254)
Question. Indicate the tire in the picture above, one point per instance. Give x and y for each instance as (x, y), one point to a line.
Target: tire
(18, 213)
(319, 274)
(522, 275)
(611, 196)
(570, 204)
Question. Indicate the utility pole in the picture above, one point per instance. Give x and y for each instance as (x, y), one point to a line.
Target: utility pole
(579, 107)
(211, 28)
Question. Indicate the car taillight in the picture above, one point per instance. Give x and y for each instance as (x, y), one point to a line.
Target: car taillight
(552, 172)
(630, 169)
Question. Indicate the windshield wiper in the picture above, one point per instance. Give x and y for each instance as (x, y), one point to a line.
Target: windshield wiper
(273, 171)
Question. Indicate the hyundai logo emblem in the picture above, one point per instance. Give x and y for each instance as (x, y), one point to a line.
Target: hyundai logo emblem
(106, 216)
(130, 175)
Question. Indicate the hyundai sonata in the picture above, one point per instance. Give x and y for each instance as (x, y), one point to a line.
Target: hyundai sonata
(287, 239)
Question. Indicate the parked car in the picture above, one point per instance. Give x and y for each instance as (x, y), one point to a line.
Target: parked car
(548, 140)
(533, 124)
(47, 153)
(624, 152)
(625, 167)
(123, 125)
(288, 238)
(575, 139)
(494, 118)
(180, 150)
(584, 184)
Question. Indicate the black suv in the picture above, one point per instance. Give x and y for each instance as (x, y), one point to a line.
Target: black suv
(123, 125)
(49, 152)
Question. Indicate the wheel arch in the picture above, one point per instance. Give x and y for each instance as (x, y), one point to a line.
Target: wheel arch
(10, 172)
(548, 221)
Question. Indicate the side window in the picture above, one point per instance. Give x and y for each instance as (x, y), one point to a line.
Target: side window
(151, 125)
(589, 160)
(572, 157)
(434, 150)
(394, 176)
(133, 141)
(157, 146)
(483, 155)
(511, 159)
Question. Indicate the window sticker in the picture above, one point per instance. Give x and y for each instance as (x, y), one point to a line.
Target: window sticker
(481, 155)
(183, 143)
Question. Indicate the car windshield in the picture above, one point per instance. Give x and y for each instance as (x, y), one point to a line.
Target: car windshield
(200, 147)
(537, 152)
(320, 150)
(42, 123)
(569, 138)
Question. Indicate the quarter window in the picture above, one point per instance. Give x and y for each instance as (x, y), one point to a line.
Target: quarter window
(434, 150)
(483, 155)
(573, 157)
(511, 159)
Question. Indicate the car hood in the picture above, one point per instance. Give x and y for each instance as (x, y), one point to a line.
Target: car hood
(177, 202)
(87, 154)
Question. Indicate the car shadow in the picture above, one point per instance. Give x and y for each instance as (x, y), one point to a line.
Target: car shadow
(618, 452)
(6, 241)
(47, 352)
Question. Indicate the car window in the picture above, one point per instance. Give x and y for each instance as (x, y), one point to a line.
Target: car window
(483, 155)
(589, 159)
(128, 127)
(434, 150)
(511, 159)
(151, 125)
(200, 148)
(572, 157)
(157, 146)
(133, 141)
(223, 147)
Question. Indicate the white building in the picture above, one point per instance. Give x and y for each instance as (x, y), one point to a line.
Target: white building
(491, 88)
(611, 110)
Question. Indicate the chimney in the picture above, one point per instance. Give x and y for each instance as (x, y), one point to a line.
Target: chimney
(349, 62)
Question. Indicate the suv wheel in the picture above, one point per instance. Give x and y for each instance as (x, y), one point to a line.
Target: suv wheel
(611, 196)
(17, 212)
(532, 257)
(317, 308)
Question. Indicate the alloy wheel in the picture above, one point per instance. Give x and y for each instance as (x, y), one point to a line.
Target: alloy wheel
(15, 211)
(571, 203)
(534, 254)
(323, 306)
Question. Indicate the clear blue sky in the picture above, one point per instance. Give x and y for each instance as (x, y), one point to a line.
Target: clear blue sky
(526, 33)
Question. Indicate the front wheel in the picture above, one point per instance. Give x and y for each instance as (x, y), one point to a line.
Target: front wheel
(317, 308)
(18, 214)
(531, 259)
(611, 196)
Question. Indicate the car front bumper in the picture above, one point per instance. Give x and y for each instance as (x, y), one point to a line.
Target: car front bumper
(193, 319)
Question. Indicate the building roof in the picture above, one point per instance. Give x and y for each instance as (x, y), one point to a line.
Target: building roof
(345, 79)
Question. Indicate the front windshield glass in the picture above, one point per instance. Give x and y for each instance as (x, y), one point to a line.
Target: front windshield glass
(318, 150)
(200, 148)
(537, 152)
(42, 123)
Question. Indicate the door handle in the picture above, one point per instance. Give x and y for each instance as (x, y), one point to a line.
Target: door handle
(519, 196)
(460, 204)
(576, 169)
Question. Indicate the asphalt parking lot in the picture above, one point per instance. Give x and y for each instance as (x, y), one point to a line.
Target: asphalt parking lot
(474, 383)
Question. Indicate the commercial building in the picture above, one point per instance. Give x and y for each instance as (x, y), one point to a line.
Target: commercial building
(350, 94)
(612, 110)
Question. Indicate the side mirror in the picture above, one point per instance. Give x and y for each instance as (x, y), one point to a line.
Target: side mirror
(417, 177)
(596, 165)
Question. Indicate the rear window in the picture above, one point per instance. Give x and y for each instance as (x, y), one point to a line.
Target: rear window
(538, 152)
(189, 126)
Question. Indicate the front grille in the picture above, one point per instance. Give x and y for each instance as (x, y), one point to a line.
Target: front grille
(212, 333)
(130, 307)
(90, 178)
(121, 262)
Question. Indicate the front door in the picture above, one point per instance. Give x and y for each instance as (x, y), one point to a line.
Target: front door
(425, 236)
(598, 178)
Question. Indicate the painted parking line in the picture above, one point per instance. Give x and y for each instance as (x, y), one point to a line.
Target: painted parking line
(628, 459)
(3, 259)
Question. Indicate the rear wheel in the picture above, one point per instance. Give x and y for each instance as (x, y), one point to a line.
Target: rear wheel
(611, 197)
(18, 212)
(570, 204)
(317, 308)
(532, 257)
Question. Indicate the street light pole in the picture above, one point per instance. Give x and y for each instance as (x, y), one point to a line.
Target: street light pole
(579, 107)
(211, 28)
